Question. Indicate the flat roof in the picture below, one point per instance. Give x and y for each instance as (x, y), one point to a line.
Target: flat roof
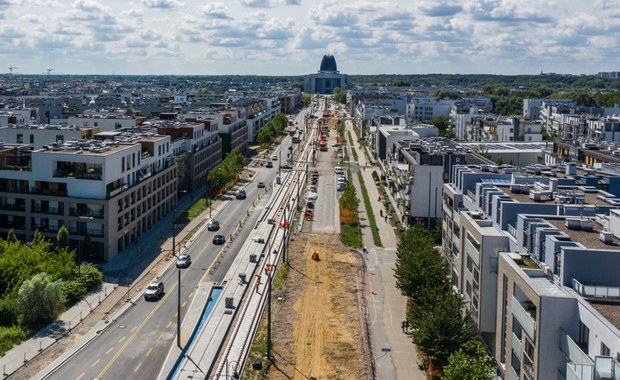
(589, 239)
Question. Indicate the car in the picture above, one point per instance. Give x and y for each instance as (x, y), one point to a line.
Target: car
(240, 194)
(336, 145)
(311, 196)
(184, 261)
(213, 225)
(219, 239)
(342, 178)
(295, 140)
(261, 185)
(269, 164)
(286, 166)
(339, 170)
(340, 186)
(154, 291)
(274, 157)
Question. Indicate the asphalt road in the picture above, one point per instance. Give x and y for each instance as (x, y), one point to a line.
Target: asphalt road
(137, 344)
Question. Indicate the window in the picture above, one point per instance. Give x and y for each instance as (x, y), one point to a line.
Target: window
(20, 138)
(605, 350)
(32, 139)
(584, 337)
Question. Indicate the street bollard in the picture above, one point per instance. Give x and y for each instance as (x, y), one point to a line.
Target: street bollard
(40, 345)
(80, 315)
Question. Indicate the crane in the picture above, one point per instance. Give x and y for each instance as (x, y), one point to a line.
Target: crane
(11, 68)
(48, 71)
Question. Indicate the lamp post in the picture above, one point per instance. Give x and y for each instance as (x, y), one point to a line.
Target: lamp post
(179, 282)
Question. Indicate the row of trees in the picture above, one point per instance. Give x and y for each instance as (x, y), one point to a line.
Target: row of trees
(38, 280)
(271, 130)
(227, 171)
(340, 95)
(440, 330)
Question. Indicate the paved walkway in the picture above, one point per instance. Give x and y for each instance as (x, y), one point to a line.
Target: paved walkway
(394, 353)
(120, 274)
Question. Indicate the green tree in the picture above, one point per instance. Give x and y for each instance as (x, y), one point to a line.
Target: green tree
(11, 237)
(307, 98)
(471, 362)
(439, 327)
(419, 266)
(442, 124)
(40, 301)
(340, 95)
(280, 121)
(264, 136)
(62, 237)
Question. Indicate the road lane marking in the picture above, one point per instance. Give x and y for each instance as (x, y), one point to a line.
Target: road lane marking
(159, 338)
(149, 352)
(190, 295)
(169, 324)
(133, 329)
(183, 304)
(137, 367)
(149, 316)
(81, 376)
(122, 339)
(95, 363)
(109, 350)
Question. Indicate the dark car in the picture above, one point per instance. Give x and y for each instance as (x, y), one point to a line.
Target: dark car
(269, 164)
(184, 261)
(261, 185)
(240, 194)
(219, 239)
(154, 291)
(286, 166)
(213, 225)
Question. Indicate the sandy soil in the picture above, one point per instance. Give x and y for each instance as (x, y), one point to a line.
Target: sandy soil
(317, 328)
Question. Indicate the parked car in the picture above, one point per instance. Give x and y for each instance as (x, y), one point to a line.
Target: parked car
(311, 196)
(240, 194)
(184, 261)
(340, 186)
(286, 166)
(274, 157)
(154, 291)
(339, 170)
(261, 185)
(269, 164)
(213, 225)
(219, 239)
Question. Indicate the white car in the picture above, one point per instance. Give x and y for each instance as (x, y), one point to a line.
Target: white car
(311, 196)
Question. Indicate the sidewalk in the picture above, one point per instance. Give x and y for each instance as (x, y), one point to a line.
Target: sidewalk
(395, 355)
(92, 314)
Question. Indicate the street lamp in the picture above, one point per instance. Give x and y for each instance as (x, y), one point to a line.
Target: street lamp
(179, 283)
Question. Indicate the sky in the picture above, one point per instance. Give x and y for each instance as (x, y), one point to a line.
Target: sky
(289, 37)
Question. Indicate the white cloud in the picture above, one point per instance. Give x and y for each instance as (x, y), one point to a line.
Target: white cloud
(367, 36)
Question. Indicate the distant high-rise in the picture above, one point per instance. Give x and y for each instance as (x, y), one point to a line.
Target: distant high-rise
(327, 79)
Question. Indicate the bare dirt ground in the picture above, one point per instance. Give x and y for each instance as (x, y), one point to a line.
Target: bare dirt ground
(317, 330)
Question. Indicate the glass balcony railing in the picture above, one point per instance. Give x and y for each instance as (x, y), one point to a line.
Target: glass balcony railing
(525, 319)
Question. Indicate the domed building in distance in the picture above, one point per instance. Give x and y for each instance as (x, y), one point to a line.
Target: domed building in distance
(327, 78)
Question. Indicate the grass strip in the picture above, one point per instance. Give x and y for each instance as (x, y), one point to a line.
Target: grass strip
(376, 238)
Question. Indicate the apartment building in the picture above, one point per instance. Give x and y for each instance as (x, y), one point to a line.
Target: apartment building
(112, 189)
(525, 248)
(197, 148)
(38, 135)
(424, 108)
(104, 119)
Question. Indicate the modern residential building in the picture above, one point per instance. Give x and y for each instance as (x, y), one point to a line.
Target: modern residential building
(525, 247)
(111, 189)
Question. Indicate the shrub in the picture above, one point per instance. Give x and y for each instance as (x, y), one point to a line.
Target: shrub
(10, 336)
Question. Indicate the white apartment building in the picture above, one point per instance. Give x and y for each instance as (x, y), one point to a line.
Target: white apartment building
(38, 135)
(424, 108)
(111, 190)
(534, 253)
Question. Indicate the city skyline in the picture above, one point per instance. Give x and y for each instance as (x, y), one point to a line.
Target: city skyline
(289, 37)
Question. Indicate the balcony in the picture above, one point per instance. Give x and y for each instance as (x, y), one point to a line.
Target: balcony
(90, 231)
(516, 344)
(525, 318)
(48, 210)
(86, 213)
(596, 291)
(13, 206)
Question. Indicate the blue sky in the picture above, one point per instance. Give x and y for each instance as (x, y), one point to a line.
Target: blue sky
(289, 37)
